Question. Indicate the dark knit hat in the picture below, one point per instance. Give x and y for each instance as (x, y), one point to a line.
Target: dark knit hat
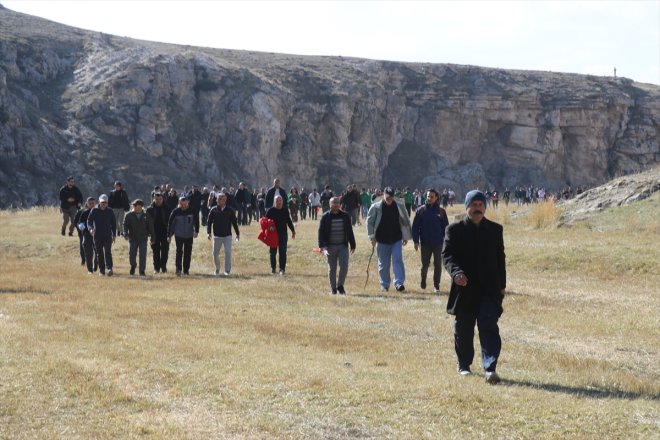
(473, 195)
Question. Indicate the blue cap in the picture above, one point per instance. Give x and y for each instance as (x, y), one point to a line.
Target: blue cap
(473, 195)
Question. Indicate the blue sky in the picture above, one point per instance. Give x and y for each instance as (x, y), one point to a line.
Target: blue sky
(591, 37)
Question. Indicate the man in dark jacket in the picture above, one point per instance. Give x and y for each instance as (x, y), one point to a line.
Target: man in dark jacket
(70, 201)
(195, 199)
(242, 200)
(89, 252)
(138, 227)
(102, 225)
(428, 228)
(473, 253)
(275, 190)
(160, 246)
(335, 235)
(350, 203)
(118, 202)
(184, 226)
(218, 226)
(280, 215)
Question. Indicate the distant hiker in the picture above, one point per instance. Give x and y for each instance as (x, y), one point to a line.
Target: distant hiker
(184, 226)
(138, 227)
(280, 215)
(350, 203)
(218, 226)
(261, 203)
(408, 198)
(335, 235)
(79, 229)
(326, 195)
(294, 204)
(242, 201)
(171, 198)
(195, 199)
(388, 228)
(70, 201)
(160, 245)
(275, 190)
(428, 232)
(314, 203)
(91, 260)
(473, 254)
(204, 206)
(102, 225)
(365, 202)
(119, 203)
(253, 211)
(304, 203)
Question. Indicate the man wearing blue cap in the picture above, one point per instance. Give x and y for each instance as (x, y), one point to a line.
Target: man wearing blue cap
(473, 254)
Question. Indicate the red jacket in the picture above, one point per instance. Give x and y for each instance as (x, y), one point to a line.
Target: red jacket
(268, 232)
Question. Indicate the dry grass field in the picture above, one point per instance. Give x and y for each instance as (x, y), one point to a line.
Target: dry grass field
(257, 356)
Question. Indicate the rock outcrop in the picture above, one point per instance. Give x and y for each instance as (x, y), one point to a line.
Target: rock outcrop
(102, 107)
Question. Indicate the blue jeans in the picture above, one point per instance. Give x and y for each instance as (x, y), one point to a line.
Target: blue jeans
(489, 336)
(390, 254)
(134, 248)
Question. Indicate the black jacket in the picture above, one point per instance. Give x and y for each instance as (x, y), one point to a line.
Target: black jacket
(195, 198)
(325, 226)
(119, 200)
(270, 197)
(66, 193)
(221, 222)
(281, 218)
(160, 216)
(478, 252)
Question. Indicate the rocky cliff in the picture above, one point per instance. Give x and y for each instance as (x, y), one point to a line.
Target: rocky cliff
(102, 107)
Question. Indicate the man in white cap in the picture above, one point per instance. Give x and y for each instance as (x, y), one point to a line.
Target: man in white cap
(473, 254)
(102, 226)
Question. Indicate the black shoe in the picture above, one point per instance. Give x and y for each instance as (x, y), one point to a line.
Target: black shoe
(82, 263)
(492, 378)
(63, 232)
(400, 288)
(156, 270)
(142, 274)
(423, 284)
(178, 273)
(282, 272)
(132, 272)
(273, 271)
(436, 289)
(186, 273)
(163, 270)
(70, 233)
(341, 290)
(334, 291)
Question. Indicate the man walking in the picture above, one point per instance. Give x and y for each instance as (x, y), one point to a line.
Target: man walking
(242, 201)
(87, 240)
(280, 215)
(184, 226)
(275, 190)
(137, 228)
(220, 221)
(473, 253)
(102, 226)
(118, 202)
(388, 228)
(314, 204)
(326, 195)
(159, 213)
(335, 235)
(428, 229)
(70, 201)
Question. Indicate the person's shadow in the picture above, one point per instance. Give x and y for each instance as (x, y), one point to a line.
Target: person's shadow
(587, 392)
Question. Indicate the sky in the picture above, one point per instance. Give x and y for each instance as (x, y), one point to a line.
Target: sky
(588, 37)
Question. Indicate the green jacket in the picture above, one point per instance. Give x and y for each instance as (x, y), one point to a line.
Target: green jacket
(138, 228)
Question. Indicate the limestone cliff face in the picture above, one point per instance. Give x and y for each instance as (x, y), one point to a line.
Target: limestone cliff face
(104, 108)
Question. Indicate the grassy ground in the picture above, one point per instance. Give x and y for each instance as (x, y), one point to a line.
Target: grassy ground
(263, 356)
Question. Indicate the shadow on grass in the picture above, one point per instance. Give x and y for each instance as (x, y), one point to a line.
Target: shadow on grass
(399, 296)
(587, 392)
(19, 290)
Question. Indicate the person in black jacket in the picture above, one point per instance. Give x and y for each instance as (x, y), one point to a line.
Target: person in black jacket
(89, 251)
(280, 215)
(335, 235)
(118, 202)
(220, 221)
(275, 190)
(195, 198)
(103, 227)
(160, 247)
(242, 201)
(473, 254)
(70, 201)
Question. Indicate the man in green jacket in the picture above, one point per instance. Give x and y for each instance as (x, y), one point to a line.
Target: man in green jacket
(138, 226)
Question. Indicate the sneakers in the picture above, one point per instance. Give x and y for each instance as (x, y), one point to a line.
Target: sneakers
(225, 274)
(464, 371)
(282, 272)
(185, 274)
(384, 289)
(109, 272)
(436, 289)
(341, 290)
(400, 288)
(217, 273)
(163, 270)
(178, 273)
(156, 271)
(492, 378)
(142, 274)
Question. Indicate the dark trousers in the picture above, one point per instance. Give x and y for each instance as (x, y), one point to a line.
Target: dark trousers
(409, 208)
(426, 252)
(90, 253)
(303, 211)
(103, 247)
(160, 249)
(489, 336)
(315, 212)
(135, 247)
(242, 214)
(183, 252)
(282, 248)
(82, 249)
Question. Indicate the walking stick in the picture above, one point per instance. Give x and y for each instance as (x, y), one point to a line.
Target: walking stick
(373, 248)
